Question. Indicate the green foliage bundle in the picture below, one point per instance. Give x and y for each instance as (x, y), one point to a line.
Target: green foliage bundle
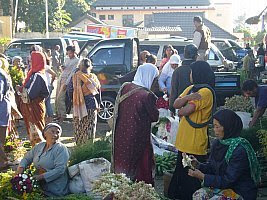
(262, 134)
(101, 148)
(239, 103)
(72, 197)
(166, 162)
(4, 41)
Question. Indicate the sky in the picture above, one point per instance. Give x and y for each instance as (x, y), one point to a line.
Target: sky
(250, 7)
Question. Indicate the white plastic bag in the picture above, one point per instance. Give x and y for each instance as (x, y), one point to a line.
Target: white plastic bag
(174, 129)
(91, 170)
(76, 185)
(245, 117)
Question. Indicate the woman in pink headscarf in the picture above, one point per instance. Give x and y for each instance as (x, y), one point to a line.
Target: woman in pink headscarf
(33, 93)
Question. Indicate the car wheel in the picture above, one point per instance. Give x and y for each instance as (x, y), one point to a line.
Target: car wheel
(106, 108)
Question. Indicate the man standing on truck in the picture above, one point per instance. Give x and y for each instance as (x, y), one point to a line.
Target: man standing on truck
(251, 89)
(181, 75)
(202, 38)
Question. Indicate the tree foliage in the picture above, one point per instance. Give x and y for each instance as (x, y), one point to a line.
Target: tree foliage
(76, 8)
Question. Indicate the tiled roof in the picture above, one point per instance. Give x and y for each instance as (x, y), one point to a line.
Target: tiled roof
(122, 3)
(86, 16)
(185, 21)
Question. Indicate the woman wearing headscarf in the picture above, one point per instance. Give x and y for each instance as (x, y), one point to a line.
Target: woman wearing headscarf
(33, 93)
(195, 106)
(50, 159)
(83, 88)
(232, 170)
(135, 110)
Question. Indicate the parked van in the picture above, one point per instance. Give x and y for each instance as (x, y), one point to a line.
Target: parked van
(157, 47)
(22, 47)
(114, 58)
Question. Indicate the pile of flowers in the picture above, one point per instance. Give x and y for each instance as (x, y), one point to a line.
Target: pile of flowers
(24, 183)
(122, 188)
(162, 128)
(239, 103)
(16, 148)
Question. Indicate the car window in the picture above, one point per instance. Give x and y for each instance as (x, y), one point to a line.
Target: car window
(13, 49)
(108, 56)
(180, 50)
(153, 49)
(234, 44)
(221, 45)
(212, 55)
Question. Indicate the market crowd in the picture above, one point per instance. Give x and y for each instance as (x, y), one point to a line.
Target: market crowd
(231, 169)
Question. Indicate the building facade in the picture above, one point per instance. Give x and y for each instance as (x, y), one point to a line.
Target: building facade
(139, 12)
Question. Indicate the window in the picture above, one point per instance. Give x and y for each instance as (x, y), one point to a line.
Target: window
(110, 17)
(109, 56)
(13, 50)
(212, 55)
(128, 20)
(148, 20)
(219, 14)
(221, 45)
(153, 49)
(102, 17)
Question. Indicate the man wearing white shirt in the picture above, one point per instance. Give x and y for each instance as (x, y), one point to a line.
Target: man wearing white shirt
(202, 38)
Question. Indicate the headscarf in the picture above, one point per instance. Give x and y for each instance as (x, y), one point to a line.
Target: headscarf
(16, 58)
(52, 125)
(233, 126)
(202, 73)
(38, 61)
(145, 75)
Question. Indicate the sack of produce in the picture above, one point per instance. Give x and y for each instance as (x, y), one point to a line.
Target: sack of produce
(91, 170)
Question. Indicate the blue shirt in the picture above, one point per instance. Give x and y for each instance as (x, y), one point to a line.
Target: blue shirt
(54, 162)
(261, 98)
(5, 106)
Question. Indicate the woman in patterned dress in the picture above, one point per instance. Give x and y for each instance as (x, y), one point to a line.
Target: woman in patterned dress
(82, 88)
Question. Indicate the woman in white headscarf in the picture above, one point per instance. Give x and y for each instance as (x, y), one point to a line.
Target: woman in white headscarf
(135, 110)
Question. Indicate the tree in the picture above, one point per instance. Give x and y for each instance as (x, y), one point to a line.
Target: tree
(76, 8)
(6, 6)
(32, 12)
(259, 37)
(240, 23)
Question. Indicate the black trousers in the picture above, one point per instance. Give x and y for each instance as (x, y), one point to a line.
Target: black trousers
(182, 185)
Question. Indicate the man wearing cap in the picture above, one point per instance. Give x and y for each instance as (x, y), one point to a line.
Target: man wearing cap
(202, 38)
(166, 74)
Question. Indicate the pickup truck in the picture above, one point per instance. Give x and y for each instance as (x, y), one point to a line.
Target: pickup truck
(114, 58)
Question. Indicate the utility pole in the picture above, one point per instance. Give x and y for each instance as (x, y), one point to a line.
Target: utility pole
(15, 17)
(46, 18)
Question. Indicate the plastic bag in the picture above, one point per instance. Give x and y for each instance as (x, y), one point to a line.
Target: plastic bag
(245, 117)
(174, 129)
(76, 185)
(91, 170)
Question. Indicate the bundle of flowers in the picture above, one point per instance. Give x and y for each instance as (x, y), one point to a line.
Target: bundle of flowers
(122, 188)
(24, 183)
(109, 183)
(239, 103)
(7, 191)
(162, 128)
(139, 190)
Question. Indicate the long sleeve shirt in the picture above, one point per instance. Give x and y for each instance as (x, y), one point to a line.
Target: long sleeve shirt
(54, 162)
(5, 106)
(37, 86)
